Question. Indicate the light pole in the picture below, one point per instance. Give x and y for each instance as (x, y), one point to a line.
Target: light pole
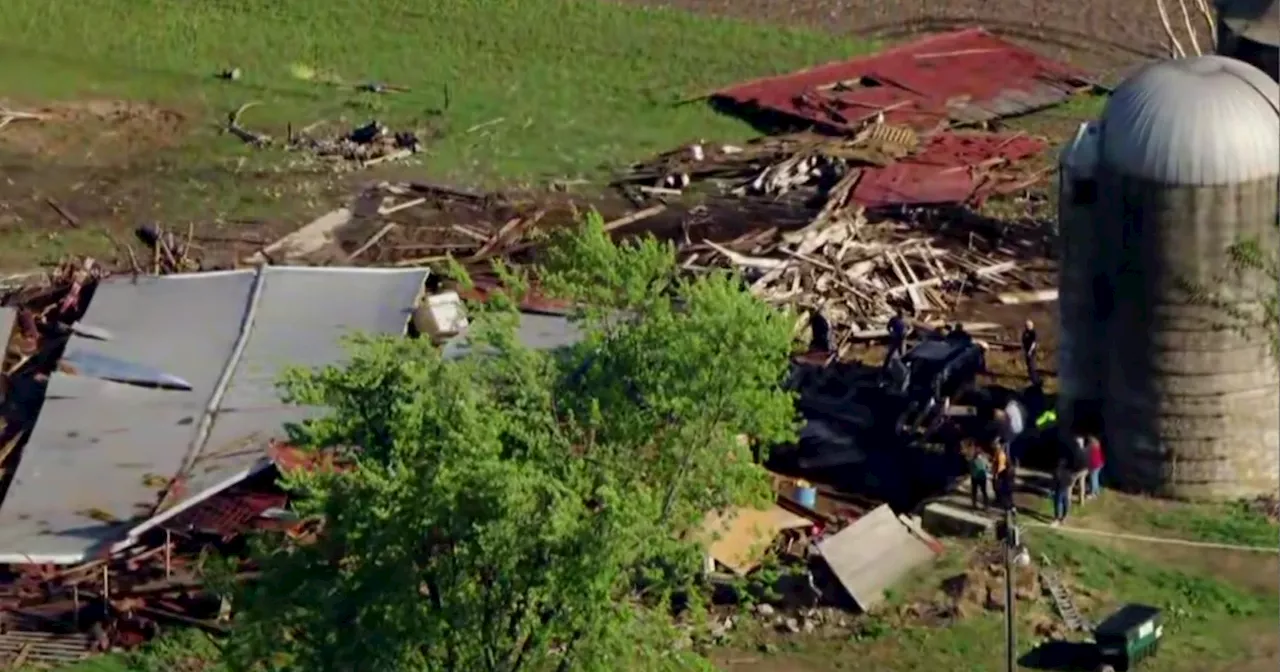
(1010, 547)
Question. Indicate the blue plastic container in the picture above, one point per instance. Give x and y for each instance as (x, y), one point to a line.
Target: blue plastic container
(806, 494)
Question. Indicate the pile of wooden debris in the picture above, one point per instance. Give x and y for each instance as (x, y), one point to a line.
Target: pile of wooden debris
(882, 165)
(773, 165)
(855, 272)
(363, 146)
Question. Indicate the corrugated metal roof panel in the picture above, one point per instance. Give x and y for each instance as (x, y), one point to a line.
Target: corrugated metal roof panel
(964, 76)
(100, 450)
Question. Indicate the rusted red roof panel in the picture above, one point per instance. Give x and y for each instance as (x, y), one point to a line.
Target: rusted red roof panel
(950, 168)
(959, 77)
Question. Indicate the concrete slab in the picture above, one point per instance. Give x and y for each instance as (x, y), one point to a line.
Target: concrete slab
(943, 519)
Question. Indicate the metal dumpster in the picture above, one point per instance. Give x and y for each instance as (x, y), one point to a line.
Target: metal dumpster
(1128, 637)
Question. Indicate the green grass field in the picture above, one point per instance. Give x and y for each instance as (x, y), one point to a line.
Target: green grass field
(563, 87)
(1213, 621)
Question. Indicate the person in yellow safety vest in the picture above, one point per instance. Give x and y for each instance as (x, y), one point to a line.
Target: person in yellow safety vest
(1047, 418)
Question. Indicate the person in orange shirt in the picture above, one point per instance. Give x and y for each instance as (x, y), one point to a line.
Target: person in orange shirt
(1003, 482)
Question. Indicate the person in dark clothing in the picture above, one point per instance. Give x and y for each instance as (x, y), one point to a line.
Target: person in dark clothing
(898, 331)
(821, 340)
(1063, 477)
(1030, 346)
(979, 474)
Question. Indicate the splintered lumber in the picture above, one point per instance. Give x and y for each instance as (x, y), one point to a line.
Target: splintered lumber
(855, 273)
(1037, 296)
(305, 241)
(776, 165)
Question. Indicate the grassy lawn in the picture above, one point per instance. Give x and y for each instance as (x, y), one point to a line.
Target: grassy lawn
(1212, 621)
(502, 91)
(1233, 523)
(564, 86)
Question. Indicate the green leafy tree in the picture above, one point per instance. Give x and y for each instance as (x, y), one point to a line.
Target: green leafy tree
(516, 509)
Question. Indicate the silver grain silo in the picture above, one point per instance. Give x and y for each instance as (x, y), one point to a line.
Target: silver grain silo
(1081, 323)
(1189, 162)
(1249, 30)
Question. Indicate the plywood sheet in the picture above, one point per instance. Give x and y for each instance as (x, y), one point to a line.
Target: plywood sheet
(742, 535)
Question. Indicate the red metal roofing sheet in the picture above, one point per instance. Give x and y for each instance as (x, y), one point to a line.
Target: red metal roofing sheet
(964, 76)
(950, 168)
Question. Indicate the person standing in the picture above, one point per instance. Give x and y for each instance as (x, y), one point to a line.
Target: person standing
(1063, 476)
(1013, 423)
(1030, 346)
(1096, 463)
(1003, 482)
(1078, 461)
(821, 330)
(979, 476)
(897, 329)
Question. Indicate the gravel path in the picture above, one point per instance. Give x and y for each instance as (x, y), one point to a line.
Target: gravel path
(1106, 36)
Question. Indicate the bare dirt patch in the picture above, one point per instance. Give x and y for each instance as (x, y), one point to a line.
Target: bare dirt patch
(95, 132)
(114, 165)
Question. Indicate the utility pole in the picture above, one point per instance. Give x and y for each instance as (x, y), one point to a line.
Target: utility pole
(1010, 634)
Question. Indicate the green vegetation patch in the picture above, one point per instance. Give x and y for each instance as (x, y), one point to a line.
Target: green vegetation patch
(547, 86)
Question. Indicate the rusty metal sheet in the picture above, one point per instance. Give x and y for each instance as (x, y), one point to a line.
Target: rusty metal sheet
(965, 76)
(951, 168)
(227, 513)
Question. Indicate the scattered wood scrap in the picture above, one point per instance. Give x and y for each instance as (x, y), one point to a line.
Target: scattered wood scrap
(9, 116)
(775, 165)
(363, 146)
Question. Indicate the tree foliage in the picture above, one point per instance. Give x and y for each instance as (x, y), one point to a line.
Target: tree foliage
(517, 509)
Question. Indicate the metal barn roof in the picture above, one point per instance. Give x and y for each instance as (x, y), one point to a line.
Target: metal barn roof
(1208, 120)
(101, 453)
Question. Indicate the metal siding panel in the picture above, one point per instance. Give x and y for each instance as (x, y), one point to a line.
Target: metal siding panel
(186, 325)
(87, 456)
(302, 317)
(873, 554)
(96, 441)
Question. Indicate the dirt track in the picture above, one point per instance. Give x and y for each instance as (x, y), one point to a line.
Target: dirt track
(1104, 35)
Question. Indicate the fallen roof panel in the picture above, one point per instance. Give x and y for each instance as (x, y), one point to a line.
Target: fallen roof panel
(873, 554)
(950, 168)
(965, 76)
(152, 321)
(536, 330)
(90, 469)
(100, 451)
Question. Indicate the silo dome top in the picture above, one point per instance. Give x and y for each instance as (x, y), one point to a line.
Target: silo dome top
(1204, 120)
(1257, 20)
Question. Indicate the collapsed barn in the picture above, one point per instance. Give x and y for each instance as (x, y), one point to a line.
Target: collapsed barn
(112, 490)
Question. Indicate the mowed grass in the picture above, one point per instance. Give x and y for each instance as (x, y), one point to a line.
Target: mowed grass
(557, 87)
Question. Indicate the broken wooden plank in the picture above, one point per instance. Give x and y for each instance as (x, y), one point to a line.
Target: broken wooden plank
(307, 240)
(1019, 298)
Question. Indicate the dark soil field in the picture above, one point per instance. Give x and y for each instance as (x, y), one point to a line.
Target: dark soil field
(1107, 37)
